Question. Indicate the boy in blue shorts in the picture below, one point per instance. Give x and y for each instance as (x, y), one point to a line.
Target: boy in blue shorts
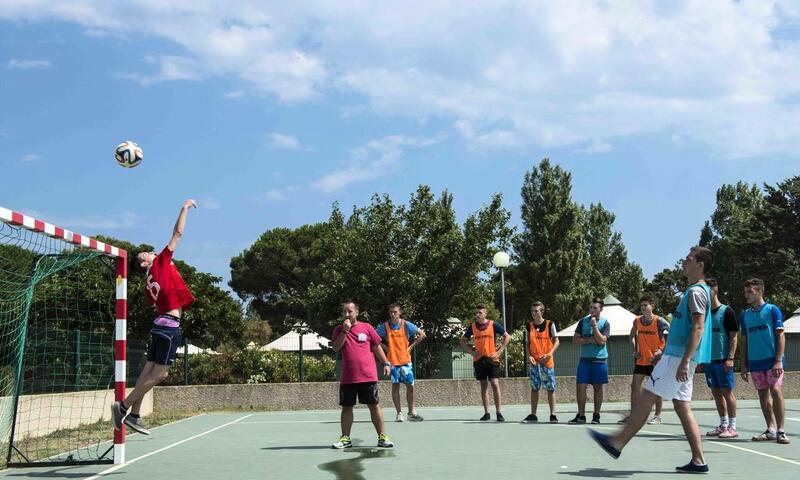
(719, 373)
(591, 334)
(397, 333)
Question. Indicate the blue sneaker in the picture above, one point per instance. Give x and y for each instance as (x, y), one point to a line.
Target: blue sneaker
(605, 443)
(691, 467)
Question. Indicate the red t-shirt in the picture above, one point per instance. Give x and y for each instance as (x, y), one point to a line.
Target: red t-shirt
(164, 285)
(358, 361)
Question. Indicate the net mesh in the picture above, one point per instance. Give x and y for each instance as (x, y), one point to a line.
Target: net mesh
(56, 349)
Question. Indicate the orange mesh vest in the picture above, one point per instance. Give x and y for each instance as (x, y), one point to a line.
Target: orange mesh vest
(648, 340)
(398, 344)
(484, 340)
(541, 343)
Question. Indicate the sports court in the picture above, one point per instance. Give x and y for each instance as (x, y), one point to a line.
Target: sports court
(450, 443)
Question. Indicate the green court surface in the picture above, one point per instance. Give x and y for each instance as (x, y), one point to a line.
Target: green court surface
(450, 443)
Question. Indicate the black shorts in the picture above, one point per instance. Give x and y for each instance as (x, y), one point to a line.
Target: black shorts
(646, 370)
(366, 392)
(485, 368)
(163, 344)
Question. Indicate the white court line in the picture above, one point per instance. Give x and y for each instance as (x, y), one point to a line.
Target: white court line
(117, 467)
(729, 445)
(793, 419)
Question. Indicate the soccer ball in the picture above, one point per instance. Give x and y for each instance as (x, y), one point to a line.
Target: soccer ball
(128, 154)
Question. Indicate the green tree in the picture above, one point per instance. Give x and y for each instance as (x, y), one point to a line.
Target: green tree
(549, 250)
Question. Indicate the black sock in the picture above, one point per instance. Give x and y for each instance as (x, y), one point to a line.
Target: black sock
(124, 408)
(134, 415)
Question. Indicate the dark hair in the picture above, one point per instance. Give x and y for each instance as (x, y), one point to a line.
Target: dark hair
(702, 254)
(537, 304)
(598, 300)
(648, 299)
(350, 300)
(480, 306)
(755, 282)
(712, 282)
(395, 305)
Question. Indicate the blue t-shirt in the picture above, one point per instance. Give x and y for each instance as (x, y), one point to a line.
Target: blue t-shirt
(499, 331)
(760, 327)
(411, 329)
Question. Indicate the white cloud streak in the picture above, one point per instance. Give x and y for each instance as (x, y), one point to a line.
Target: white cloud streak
(29, 64)
(575, 73)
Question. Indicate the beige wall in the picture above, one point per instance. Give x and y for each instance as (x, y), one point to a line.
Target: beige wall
(313, 396)
(42, 414)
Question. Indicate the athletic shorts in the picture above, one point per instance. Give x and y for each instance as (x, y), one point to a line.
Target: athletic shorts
(717, 377)
(591, 372)
(662, 381)
(543, 377)
(765, 379)
(485, 368)
(163, 344)
(402, 374)
(645, 370)
(367, 393)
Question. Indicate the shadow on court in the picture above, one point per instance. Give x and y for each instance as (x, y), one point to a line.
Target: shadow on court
(605, 473)
(59, 473)
(352, 468)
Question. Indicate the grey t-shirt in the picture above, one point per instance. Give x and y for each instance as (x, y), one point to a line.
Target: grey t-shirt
(697, 301)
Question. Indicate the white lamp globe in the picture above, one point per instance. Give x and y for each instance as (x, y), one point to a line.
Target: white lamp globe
(501, 260)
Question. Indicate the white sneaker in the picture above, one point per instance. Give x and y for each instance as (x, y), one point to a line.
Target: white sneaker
(399, 417)
(656, 420)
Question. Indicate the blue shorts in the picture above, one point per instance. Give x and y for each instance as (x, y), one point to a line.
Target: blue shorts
(163, 344)
(402, 374)
(540, 373)
(591, 372)
(716, 377)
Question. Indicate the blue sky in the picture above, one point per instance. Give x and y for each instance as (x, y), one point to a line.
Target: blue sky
(266, 114)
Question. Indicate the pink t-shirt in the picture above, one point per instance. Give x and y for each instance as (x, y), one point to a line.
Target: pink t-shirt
(358, 361)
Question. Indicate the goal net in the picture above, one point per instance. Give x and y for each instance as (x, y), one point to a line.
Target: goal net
(58, 305)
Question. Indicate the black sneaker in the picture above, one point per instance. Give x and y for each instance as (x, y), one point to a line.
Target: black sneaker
(553, 419)
(691, 467)
(500, 417)
(579, 419)
(530, 419)
(485, 417)
(137, 424)
(118, 414)
(605, 443)
(596, 418)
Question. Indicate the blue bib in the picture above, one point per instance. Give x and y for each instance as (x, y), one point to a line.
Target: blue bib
(592, 350)
(760, 333)
(719, 337)
(681, 328)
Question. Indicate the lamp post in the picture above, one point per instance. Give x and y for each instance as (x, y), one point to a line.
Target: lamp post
(300, 328)
(501, 261)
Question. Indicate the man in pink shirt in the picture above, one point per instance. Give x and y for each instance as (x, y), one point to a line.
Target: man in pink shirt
(359, 344)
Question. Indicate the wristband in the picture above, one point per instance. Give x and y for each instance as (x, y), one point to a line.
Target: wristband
(387, 364)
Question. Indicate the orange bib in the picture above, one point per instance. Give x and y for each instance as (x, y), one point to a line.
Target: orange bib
(398, 344)
(648, 340)
(484, 340)
(541, 343)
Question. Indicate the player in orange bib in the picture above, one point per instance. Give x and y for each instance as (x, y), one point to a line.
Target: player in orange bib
(648, 338)
(486, 357)
(396, 333)
(543, 343)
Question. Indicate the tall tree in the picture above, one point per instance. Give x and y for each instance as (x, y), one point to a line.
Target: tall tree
(549, 249)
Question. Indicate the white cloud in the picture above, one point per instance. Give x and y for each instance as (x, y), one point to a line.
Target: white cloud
(279, 141)
(595, 147)
(28, 64)
(573, 73)
(30, 157)
(276, 195)
(170, 68)
(235, 94)
(377, 158)
(209, 203)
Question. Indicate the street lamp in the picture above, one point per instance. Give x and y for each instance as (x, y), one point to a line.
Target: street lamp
(301, 329)
(501, 261)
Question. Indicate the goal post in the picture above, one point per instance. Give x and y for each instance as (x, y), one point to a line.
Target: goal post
(63, 310)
